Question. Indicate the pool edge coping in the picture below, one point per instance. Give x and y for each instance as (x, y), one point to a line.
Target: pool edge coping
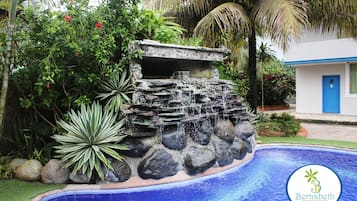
(181, 176)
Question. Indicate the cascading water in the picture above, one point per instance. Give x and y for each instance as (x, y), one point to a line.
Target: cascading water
(189, 120)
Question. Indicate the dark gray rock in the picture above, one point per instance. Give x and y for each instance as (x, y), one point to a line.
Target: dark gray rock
(223, 152)
(252, 141)
(174, 137)
(54, 172)
(244, 130)
(137, 148)
(79, 178)
(198, 159)
(239, 148)
(120, 173)
(225, 130)
(248, 145)
(158, 165)
(202, 135)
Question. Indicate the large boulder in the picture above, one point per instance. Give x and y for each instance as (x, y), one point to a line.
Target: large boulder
(223, 152)
(225, 130)
(79, 178)
(239, 148)
(120, 173)
(54, 173)
(29, 170)
(202, 135)
(17, 162)
(199, 159)
(158, 165)
(137, 148)
(174, 138)
(244, 130)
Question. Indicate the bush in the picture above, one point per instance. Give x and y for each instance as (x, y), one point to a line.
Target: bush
(91, 136)
(279, 125)
(278, 82)
(62, 59)
(6, 172)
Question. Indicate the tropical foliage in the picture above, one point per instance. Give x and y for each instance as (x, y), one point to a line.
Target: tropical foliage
(229, 22)
(63, 60)
(154, 25)
(89, 138)
(116, 91)
(278, 125)
(278, 83)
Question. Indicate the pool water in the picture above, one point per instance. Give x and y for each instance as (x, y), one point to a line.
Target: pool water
(262, 178)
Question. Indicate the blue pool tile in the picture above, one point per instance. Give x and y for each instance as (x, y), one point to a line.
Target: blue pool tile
(103, 197)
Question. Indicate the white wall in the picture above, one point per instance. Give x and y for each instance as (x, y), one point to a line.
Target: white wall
(328, 49)
(309, 89)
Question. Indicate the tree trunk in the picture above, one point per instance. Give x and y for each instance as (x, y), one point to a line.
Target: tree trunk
(8, 61)
(252, 71)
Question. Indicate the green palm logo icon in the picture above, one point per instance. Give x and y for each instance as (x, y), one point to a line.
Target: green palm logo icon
(311, 178)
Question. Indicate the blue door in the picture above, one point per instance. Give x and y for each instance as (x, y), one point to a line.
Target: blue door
(331, 94)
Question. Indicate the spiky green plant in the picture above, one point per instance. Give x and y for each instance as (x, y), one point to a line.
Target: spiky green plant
(91, 136)
(116, 91)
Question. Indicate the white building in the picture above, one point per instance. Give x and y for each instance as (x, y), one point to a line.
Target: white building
(326, 75)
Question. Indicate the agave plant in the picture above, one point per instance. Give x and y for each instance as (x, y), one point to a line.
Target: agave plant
(116, 91)
(92, 135)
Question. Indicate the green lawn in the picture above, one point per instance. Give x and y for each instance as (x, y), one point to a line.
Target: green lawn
(301, 140)
(15, 190)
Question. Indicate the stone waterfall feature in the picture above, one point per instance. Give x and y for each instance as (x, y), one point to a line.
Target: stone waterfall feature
(183, 117)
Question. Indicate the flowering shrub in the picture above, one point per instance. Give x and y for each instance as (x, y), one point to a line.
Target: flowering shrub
(278, 82)
(63, 57)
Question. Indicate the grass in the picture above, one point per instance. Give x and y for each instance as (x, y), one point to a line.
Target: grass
(301, 140)
(15, 190)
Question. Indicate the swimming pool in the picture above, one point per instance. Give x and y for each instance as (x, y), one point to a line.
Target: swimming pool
(263, 178)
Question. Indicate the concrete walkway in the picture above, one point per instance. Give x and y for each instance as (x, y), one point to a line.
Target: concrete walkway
(323, 130)
(331, 132)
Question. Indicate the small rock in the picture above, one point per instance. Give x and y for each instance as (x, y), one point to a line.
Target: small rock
(29, 170)
(225, 130)
(244, 130)
(158, 165)
(239, 148)
(79, 178)
(174, 138)
(137, 148)
(120, 173)
(223, 152)
(198, 159)
(54, 173)
(16, 162)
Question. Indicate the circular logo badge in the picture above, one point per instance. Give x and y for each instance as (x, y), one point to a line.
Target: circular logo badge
(314, 183)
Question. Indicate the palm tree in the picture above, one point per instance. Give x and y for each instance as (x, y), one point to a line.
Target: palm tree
(281, 20)
(8, 58)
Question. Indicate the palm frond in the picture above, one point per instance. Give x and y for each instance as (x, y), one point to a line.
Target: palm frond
(283, 20)
(339, 15)
(227, 17)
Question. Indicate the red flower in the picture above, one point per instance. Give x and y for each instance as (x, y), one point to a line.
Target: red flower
(67, 18)
(99, 25)
(48, 86)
